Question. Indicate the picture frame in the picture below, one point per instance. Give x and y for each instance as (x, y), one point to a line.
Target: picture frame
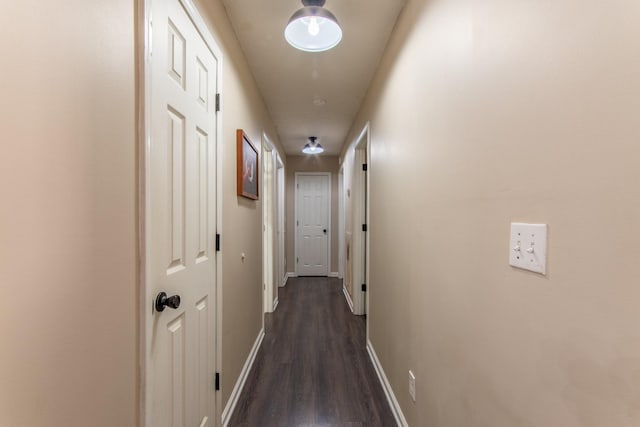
(248, 171)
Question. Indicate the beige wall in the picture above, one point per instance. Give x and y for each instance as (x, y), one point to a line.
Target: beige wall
(483, 113)
(242, 107)
(310, 164)
(68, 217)
(68, 181)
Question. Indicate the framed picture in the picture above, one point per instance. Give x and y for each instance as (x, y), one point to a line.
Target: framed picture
(247, 166)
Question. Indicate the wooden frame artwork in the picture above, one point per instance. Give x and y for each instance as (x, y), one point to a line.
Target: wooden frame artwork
(248, 170)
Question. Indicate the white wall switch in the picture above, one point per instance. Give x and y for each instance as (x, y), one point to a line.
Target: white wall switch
(528, 247)
(412, 386)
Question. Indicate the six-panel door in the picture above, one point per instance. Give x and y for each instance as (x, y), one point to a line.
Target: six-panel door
(181, 222)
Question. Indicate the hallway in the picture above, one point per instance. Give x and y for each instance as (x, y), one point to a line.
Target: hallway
(313, 368)
(121, 174)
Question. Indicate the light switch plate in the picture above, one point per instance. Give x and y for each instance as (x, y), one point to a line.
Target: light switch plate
(528, 247)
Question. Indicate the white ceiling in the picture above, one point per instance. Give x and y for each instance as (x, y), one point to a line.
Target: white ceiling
(290, 80)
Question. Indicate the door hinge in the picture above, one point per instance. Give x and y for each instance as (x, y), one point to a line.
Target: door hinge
(297, 223)
(217, 381)
(217, 102)
(297, 260)
(364, 287)
(217, 242)
(364, 227)
(365, 167)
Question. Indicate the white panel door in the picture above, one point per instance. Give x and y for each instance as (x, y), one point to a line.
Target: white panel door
(281, 228)
(180, 222)
(267, 230)
(313, 207)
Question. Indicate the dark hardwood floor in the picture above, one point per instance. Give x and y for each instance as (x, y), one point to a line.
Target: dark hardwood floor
(313, 368)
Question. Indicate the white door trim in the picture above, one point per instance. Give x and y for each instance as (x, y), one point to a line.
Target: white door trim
(145, 14)
(361, 240)
(268, 196)
(341, 223)
(281, 194)
(296, 244)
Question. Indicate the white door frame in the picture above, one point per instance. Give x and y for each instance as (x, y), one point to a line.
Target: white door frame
(145, 14)
(281, 234)
(361, 209)
(341, 224)
(296, 256)
(269, 255)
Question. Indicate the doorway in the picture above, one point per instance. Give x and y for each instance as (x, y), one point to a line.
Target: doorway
(313, 223)
(361, 226)
(273, 246)
(281, 233)
(269, 226)
(341, 224)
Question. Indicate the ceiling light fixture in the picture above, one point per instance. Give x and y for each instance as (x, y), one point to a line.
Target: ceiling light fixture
(313, 28)
(312, 147)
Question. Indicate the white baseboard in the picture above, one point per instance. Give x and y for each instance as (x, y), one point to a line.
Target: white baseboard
(347, 297)
(237, 389)
(334, 274)
(287, 277)
(283, 280)
(391, 397)
(275, 304)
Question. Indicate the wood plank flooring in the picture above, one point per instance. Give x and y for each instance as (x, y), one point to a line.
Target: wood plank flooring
(313, 368)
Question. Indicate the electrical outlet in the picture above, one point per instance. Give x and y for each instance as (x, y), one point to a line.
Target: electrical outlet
(412, 386)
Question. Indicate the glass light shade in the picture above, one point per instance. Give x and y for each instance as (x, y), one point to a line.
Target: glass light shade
(312, 149)
(313, 29)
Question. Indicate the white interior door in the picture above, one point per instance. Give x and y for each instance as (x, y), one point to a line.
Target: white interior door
(280, 176)
(268, 244)
(341, 225)
(313, 197)
(360, 218)
(180, 222)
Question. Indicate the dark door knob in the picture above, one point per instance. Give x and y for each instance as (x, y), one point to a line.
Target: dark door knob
(162, 301)
(324, 231)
